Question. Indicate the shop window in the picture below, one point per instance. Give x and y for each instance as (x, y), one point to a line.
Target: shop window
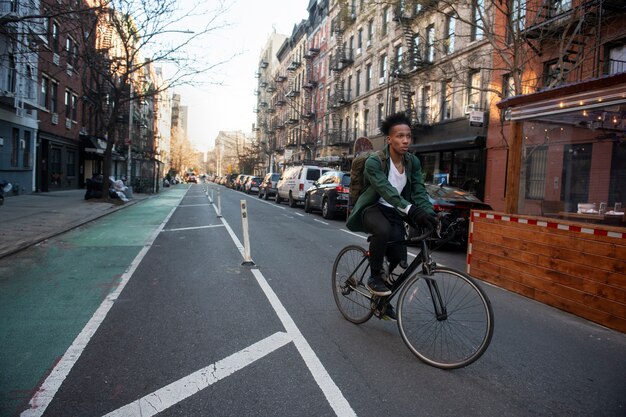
(15, 147)
(27, 162)
(55, 166)
(536, 172)
(576, 169)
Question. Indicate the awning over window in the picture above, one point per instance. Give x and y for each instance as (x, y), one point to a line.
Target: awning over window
(434, 145)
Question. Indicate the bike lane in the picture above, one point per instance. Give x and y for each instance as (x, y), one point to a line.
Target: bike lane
(49, 292)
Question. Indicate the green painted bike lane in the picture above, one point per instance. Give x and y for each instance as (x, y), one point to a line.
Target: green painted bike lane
(49, 292)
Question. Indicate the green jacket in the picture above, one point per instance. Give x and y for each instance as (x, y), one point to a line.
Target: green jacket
(377, 185)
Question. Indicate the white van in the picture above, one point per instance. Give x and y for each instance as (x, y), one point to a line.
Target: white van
(295, 181)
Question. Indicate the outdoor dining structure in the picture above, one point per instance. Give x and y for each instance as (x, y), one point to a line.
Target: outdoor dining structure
(562, 238)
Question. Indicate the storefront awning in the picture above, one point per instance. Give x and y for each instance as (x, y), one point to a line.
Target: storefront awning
(97, 146)
(572, 104)
(448, 144)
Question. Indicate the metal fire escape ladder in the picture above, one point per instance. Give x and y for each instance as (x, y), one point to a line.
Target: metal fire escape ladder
(409, 63)
(338, 96)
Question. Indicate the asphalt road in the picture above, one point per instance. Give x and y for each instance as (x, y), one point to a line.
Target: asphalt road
(189, 330)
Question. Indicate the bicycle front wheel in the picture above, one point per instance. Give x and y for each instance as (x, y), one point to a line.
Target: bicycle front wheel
(349, 274)
(445, 319)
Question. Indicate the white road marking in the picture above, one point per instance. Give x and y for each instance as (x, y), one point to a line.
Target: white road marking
(48, 389)
(193, 205)
(332, 392)
(299, 214)
(193, 228)
(320, 221)
(177, 391)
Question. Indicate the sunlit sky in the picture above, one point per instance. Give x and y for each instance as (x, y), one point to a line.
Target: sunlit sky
(229, 107)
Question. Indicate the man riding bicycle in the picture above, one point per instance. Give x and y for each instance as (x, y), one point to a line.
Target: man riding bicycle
(387, 197)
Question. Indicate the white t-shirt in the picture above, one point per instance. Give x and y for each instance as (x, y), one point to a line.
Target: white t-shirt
(397, 180)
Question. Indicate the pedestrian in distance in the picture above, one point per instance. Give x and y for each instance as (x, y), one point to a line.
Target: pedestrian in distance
(393, 189)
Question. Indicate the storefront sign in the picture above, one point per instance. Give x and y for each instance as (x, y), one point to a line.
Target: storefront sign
(477, 118)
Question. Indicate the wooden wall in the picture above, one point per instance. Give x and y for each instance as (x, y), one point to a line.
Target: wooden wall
(576, 267)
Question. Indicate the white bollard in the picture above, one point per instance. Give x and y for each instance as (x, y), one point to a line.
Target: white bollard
(219, 204)
(247, 260)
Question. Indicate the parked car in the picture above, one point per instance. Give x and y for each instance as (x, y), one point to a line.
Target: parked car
(329, 194)
(295, 181)
(191, 178)
(453, 206)
(268, 185)
(251, 185)
(238, 182)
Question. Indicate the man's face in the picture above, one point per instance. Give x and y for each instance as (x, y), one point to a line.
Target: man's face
(399, 138)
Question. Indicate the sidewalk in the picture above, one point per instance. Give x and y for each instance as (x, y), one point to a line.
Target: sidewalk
(28, 219)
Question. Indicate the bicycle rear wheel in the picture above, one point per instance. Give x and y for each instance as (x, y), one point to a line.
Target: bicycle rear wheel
(445, 319)
(349, 272)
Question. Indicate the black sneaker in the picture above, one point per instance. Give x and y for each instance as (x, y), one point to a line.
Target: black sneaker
(390, 313)
(376, 286)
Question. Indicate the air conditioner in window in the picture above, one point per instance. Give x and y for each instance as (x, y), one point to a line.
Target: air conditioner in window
(468, 108)
(381, 80)
(68, 123)
(358, 51)
(54, 119)
(56, 59)
(368, 43)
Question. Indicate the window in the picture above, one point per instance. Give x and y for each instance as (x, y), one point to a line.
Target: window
(446, 99)
(473, 90)
(616, 59)
(508, 86)
(44, 96)
(69, 50)
(74, 107)
(357, 91)
(425, 106)
(381, 114)
(54, 37)
(558, 7)
(382, 68)
(395, 105)
(478, 22)
(26, 162)
(350, 52)
(359, 40)
(450, 29)
(417, 56)
(552, 75)
(55, 165)
(54, 97)
(536, 172)
(356, 126)
(385, 23)
(71, 163)
(15, 149)
(398, 58)
(517, 18)
(368, 77)
(349, 91)
(68, 103)
(12, 74)
(430, 43)
(370, 32)
(366, 122)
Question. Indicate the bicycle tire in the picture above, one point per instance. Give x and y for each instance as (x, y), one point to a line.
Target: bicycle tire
(352, 298)
(452, 340)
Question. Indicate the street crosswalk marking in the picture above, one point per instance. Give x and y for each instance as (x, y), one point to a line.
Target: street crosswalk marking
(177, 391)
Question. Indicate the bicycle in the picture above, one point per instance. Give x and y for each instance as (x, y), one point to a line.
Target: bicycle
(444, 317)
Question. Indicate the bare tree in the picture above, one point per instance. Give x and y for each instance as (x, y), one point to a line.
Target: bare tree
(123, 39)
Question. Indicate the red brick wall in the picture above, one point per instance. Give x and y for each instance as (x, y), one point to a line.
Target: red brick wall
(576, 267)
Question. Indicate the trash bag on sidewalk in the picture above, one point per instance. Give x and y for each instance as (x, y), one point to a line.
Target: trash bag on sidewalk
(119, 190)
(94, 187)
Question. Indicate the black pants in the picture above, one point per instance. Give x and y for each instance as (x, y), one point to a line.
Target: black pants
(384, 224)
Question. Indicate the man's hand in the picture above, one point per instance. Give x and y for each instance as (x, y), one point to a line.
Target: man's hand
(423, 218)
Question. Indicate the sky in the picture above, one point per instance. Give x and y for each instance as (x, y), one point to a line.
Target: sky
(229, 107)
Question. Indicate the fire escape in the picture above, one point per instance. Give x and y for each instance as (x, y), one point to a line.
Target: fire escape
(340, 60)
(279, 102)
(410, 63)
(568, 30)
(293, 96)
(308, 114)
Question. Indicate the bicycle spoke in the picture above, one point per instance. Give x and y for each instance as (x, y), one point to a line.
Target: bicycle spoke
(351, 296)
(456, 338)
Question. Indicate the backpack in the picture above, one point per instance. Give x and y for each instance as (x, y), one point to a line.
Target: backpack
(357, 173)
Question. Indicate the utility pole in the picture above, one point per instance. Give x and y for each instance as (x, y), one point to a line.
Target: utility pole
(130, 135)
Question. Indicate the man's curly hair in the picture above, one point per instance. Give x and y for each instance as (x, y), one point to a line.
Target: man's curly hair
(394, 120)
